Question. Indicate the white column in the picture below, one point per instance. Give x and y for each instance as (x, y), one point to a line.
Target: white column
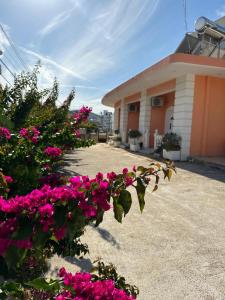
(144, 118)
(123, 120)
(183, 107)
(116, 118)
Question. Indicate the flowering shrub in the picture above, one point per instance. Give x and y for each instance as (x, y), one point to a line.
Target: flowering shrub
(54, 217)
(43, 213)
(36, 153)
(80, 286)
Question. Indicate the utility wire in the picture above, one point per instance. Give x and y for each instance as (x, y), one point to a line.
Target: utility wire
(186, 24)
(9, 60)
(13, 47)
(10, 57)
(7, 68)
(185, 15)
(6, 79)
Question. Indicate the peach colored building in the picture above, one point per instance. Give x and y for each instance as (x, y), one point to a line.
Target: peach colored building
(183, 93)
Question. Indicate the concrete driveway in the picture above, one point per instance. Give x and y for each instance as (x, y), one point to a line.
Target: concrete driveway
(176, 248)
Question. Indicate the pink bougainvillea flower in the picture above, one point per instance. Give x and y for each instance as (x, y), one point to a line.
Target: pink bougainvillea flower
(8, 179)
(5, 133)
(125, 171)
(82, 285)
(53, 151)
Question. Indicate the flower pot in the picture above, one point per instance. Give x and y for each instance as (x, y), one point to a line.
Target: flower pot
(172, 155)
(134, 147)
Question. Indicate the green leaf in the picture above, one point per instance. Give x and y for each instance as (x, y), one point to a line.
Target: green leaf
(141, 169)
(140, 188)
(42, 284)
(125, 201)
(60, 215)
(15, 256)
(99, 217)
(118, 210)
(40, 238)
(24, 230)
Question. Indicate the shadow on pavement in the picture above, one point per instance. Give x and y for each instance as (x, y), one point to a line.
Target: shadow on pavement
(84, 264)
(107, 236)
(210, 171)
(201, 168)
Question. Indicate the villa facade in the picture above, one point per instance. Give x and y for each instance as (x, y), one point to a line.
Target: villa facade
(183, 93)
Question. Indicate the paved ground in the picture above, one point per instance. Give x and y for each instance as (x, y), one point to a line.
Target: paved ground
(176, 248)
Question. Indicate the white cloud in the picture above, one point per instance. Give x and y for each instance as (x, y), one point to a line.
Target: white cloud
(49, 61)
(59, 19)
(102, 34)
(56, 22)
(107, 32)
(221, 12)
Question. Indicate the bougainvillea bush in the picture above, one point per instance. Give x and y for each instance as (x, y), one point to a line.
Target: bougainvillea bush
(42, 212)
(49, 220)
(33, 153)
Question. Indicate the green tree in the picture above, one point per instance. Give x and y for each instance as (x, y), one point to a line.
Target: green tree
(25, 103)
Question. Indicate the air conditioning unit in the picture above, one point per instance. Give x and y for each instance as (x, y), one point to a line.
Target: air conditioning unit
(157, 102)
(132, 107)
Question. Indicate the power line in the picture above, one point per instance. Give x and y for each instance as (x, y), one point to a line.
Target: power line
(5, 79)
(186, 23)
(7, 68)
(13, 47)
(185, 15)
(9, 60)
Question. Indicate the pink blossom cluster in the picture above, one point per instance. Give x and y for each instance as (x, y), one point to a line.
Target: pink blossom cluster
(82, 115)
(53, 151)
(87, 194)
(31, 134)
(8, 179)
(5, 133)
(80, 286)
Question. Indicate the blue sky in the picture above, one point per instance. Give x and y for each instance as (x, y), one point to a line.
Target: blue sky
(94, 45)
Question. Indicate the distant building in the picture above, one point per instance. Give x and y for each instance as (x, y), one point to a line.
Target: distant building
(106, 120)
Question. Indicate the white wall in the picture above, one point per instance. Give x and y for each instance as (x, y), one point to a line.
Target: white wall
(144, 118)
(183, 107)
(123, 121)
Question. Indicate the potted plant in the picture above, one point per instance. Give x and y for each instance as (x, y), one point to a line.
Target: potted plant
(171, 146)
(134, 140)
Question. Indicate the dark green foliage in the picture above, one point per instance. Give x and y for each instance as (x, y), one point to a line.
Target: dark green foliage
(134, 134)
(171, 142)
(26, 104)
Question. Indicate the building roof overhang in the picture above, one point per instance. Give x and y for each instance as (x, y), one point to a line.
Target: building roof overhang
(171, 67)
